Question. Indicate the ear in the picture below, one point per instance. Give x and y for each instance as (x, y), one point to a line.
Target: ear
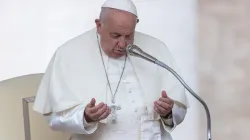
(137, 20)
(98, 25)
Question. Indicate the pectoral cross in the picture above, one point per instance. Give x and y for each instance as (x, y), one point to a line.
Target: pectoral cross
(113, 108)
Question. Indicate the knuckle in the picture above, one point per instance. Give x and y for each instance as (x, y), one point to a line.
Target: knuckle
(160, 102)
(107, 111)
(158, 110)
(101, 111)
(95, 109)
(163, 110)
(91, 116)
(157, 107)
(169, 107)
(104, 115)
(104, 109)
(98, 113)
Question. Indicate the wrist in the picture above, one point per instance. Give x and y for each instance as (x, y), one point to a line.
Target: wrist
(168, 116)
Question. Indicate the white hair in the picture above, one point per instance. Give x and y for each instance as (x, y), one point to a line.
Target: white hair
(104, 15)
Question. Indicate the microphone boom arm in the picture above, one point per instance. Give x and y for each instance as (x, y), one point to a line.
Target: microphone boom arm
(136, 51)
(192, 92)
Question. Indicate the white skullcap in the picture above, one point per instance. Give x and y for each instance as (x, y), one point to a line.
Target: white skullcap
(124, 5)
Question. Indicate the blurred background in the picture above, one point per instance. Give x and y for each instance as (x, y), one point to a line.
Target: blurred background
(209, 39)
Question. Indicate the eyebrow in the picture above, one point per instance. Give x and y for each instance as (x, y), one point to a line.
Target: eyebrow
(114, 33)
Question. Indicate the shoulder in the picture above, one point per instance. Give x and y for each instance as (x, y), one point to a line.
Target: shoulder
(74, 46)
(77, 42)
(152, 45)
(143, 37)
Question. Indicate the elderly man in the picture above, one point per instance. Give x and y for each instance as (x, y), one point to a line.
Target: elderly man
(95, 91)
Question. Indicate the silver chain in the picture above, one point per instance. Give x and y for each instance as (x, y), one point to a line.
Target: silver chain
(113, 95)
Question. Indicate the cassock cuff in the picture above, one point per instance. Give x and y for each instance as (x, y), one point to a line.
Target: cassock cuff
(178, 114)
(72, 121)
(88, 125)
(88, 128)
(169, 123)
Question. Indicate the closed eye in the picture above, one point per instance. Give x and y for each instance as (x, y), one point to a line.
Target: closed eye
(115, 35)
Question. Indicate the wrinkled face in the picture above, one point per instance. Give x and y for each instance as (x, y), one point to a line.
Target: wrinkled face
(116, 32)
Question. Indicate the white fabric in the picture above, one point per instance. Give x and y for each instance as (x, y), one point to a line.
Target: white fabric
(67, 122)
(130, 118)
(75, 75)
(124, 5)
(71, 121)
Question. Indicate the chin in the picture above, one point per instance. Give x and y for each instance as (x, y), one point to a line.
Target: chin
(118, 55)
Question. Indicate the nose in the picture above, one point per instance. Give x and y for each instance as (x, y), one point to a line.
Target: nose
(122, 42)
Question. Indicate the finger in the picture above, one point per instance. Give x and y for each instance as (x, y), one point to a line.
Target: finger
(105, 114)
(99, 112)
(167, 100)
(91, 103)
(164, 94)
(164, 105)
(96, 108)
(157, 110)
(160, 108)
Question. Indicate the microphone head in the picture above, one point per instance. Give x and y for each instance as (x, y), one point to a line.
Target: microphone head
(133, 50)
(137, 52)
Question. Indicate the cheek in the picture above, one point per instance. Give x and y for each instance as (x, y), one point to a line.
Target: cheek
(130, 42)
(111, 44)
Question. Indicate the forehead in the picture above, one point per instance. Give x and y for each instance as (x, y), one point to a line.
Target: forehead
(121, 21)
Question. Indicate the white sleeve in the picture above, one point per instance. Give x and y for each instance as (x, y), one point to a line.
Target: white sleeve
(178, 115)
(71, 121)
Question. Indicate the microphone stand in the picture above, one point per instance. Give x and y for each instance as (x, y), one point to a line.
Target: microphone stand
(136, 51)
(193, 93)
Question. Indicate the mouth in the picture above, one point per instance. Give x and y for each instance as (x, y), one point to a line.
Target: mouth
(120, 51)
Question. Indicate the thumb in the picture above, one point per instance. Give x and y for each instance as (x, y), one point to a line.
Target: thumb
(92, 102)
(164, 94)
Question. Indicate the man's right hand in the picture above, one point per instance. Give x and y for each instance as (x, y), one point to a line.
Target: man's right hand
(94, 112)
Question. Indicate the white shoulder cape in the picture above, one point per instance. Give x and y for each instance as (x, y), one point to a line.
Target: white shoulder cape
(75, 74)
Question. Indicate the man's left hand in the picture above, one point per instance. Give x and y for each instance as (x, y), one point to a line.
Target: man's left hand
(164, 105)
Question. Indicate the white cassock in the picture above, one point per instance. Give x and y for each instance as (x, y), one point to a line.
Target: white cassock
(76, 74)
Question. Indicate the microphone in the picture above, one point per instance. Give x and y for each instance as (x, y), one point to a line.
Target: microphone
(134, 50)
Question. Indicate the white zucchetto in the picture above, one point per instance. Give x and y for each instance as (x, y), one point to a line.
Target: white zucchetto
(124, 5)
